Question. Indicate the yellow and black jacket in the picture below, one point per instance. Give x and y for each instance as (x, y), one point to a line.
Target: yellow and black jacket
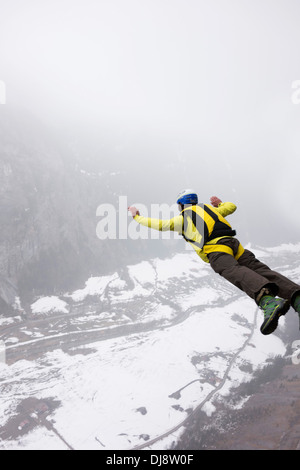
(201, 225)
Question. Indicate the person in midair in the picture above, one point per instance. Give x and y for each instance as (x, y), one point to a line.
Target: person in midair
(205, 227)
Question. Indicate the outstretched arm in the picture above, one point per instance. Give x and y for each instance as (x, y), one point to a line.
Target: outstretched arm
(174, 224)
(225, 208)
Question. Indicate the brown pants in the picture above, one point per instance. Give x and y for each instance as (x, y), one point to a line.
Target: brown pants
(249, 274)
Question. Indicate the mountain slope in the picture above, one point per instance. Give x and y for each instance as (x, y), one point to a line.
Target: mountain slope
(48, 204)
(123, 361)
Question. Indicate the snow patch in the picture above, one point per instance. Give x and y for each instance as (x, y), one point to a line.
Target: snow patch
(50, 304)
(93, 286)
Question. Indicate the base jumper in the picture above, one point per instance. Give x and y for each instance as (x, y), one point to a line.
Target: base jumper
(205, 227)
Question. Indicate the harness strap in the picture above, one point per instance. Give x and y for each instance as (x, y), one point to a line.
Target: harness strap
(224, 249)
(220, 229)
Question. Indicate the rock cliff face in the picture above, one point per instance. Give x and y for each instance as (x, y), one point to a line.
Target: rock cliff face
(269, 420)
(47, 212)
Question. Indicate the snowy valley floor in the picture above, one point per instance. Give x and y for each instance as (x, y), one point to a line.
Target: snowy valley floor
(124, 361)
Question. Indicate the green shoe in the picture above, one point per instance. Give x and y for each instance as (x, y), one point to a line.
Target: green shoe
(273, 308)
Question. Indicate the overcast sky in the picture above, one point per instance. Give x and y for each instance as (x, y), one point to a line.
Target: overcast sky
(203, 87)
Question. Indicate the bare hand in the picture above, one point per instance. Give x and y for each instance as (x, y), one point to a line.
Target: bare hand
(215, 201)
(133, 211)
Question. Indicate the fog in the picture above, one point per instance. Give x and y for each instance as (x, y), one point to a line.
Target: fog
(187, 93)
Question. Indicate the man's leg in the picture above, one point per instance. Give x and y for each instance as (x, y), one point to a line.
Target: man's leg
(287, 289)
(240, 275)
(258, 287)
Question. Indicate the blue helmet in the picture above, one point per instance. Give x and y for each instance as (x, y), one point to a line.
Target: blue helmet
(187, 196)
